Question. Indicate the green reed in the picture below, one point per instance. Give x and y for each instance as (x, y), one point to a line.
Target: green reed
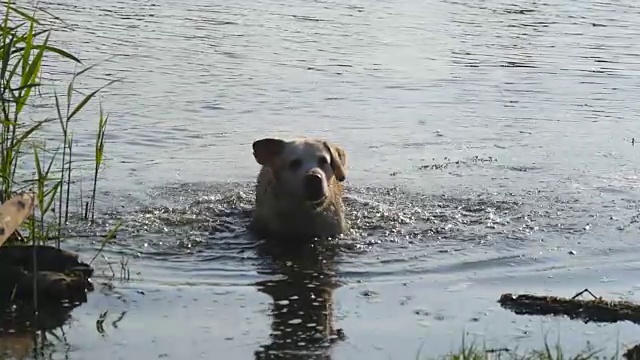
(25, 162)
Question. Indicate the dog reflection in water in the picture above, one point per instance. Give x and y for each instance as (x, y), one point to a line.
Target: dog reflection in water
(302, 308)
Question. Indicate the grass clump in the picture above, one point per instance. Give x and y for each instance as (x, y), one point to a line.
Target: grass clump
(547, 352)
(26, 163)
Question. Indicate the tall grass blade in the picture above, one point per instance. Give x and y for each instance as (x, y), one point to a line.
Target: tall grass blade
(107, 238)
(63, 125)
(89, 97)
(30, 72)
(58, 51)
(66, 212)
(23, 14)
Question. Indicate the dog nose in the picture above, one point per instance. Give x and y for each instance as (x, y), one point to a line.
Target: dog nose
(313, 187)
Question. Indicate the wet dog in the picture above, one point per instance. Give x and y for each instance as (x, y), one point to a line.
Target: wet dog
(299, 189)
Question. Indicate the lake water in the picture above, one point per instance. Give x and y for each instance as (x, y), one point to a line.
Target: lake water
(490, 151)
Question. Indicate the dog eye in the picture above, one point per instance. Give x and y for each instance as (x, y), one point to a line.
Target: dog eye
(322, 161)
(295, 164)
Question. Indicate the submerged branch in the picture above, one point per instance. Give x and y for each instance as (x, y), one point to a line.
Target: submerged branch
(591, 310)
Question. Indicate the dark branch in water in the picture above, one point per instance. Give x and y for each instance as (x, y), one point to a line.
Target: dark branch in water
(592, 310)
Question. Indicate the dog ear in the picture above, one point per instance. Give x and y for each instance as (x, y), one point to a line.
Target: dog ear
(338, 161)
(265, 150)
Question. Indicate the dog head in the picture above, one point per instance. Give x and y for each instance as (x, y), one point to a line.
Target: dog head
(302, 168)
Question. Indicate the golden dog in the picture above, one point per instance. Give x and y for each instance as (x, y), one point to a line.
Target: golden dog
(299, 188)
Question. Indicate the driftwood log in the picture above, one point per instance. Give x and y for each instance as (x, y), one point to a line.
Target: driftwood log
(61, 284)
(59, 276)
(56, 276)
(587, 310)
(13, 213)
(60, 281)
(39, 285)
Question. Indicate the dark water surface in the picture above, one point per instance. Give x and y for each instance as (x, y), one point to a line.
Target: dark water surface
(489, 148)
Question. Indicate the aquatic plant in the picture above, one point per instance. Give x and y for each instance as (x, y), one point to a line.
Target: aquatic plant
(25, 160)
